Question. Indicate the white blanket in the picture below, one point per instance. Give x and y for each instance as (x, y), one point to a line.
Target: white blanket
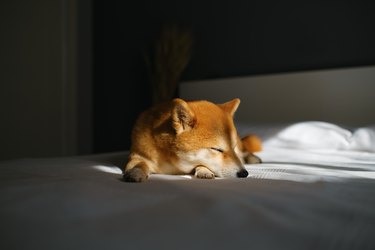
(324, 136)
(315, 151)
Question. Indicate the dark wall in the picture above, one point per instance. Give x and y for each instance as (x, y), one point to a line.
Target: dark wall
(232, 38)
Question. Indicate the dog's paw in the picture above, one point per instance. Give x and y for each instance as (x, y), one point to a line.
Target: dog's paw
(135, 175)
(252, 159)
(204, 173)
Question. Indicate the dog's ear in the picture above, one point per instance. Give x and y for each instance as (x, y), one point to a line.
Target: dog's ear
(183, 117)
(230, 106)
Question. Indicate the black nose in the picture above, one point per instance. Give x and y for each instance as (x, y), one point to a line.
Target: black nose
(242, 174)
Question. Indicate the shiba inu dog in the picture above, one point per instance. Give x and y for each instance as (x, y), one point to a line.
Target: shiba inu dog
(189, 137)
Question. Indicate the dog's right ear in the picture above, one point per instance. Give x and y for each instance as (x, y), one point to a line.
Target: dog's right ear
(183, 117)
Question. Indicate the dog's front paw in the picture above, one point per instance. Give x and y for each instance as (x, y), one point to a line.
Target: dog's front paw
(135, 175)
(252, 159)
(203, 173)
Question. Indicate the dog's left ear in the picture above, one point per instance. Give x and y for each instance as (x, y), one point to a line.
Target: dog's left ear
(230, 106)
(183, 117)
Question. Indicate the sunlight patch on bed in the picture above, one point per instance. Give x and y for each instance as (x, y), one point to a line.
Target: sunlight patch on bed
(304, 173)
(108, 169)
(270, 171)
(169, 177)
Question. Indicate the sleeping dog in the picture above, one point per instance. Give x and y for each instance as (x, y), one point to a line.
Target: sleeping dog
(189, 137)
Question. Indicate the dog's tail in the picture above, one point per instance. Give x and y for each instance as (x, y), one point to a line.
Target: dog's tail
(252, 143)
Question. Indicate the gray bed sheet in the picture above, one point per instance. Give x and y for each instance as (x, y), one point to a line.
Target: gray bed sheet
(67, 203)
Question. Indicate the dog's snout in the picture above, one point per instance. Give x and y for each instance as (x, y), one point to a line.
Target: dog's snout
(242, 173)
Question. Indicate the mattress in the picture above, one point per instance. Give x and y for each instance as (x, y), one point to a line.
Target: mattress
(314, 190)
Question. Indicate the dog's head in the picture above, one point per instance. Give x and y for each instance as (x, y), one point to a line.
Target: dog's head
(205, 135)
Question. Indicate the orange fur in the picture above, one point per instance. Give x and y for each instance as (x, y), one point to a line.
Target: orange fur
(252, 143)
(195, 137)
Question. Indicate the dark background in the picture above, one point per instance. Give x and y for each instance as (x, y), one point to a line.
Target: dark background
(231, 38)
(73, 77)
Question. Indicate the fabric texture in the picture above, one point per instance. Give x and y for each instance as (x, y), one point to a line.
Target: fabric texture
(313, 191)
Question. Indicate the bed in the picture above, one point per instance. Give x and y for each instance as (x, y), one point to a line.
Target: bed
(314, 190)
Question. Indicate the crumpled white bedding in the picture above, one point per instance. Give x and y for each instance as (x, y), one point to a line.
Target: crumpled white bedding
(318, 195)
(313, 151)
(324, 136)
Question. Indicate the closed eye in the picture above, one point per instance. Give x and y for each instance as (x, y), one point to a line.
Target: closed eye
(218, 150)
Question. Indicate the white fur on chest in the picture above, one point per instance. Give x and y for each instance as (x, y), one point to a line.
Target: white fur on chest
(189, 160)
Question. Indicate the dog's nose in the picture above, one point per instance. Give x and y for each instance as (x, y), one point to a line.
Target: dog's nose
(242, 174)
